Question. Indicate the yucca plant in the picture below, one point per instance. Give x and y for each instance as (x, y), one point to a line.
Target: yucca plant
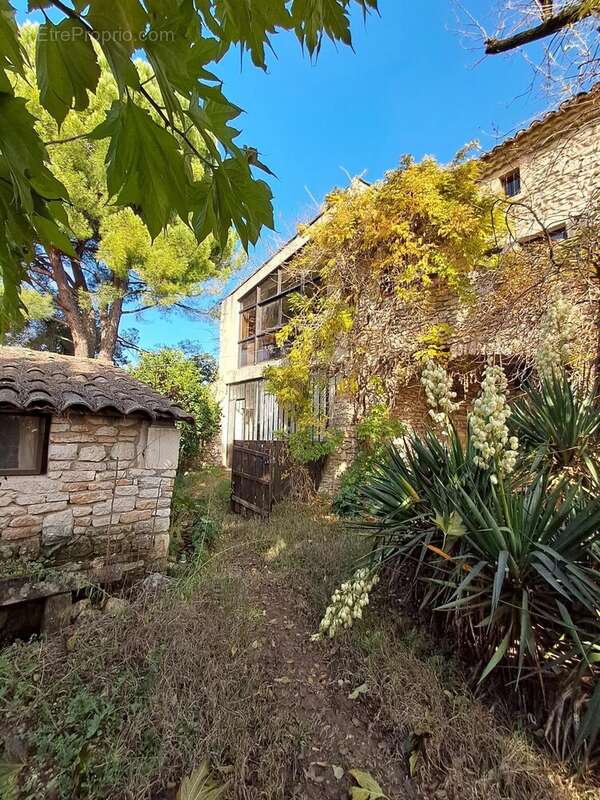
(514, 568)
(531, 561)
(573, 724)
(557, 425)
(408, 504)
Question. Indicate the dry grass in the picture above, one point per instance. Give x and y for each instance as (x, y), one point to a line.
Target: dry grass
(465, 752)
(123, 708)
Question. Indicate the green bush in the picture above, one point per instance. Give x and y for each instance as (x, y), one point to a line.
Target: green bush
(556, 423)
(373, 433)
(197, 520)
(170, 372)
(511, 565)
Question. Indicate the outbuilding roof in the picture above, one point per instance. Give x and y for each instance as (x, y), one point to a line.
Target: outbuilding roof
(38, 381)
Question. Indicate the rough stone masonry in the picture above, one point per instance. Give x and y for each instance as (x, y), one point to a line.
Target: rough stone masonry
(105, 500)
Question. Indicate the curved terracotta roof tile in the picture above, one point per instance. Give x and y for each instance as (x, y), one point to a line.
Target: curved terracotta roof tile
(29, 378)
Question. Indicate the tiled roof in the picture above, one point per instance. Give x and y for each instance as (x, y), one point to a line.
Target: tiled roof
(589, 97)
(34, 381)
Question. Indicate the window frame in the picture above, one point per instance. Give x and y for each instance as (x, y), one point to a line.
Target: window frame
(509, 179)
(42, 450)
(258, 304)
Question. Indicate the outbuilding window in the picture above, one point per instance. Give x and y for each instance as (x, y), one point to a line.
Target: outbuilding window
(23, 444)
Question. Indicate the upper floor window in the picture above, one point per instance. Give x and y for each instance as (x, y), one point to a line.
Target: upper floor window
(511, 183)
(263, 311)
(559, 234)
(23, 444)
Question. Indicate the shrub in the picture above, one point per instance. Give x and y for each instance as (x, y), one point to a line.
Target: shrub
(557, 424)
(170, 372)
(508, 559)
(374, 433)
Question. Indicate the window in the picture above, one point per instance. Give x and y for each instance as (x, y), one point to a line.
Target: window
(248, 324)
(559, 234)
(262, 312)
(267, 348)
(270, 286)
(23, 444)
(247, 353)
(270, 316)
(248, 300)
(511, 183)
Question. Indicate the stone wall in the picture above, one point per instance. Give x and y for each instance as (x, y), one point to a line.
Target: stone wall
(559, 164)
(105, 500)
(342, 416)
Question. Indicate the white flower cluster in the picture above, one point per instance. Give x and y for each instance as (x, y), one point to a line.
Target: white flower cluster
(438, 391)
(347, 603)
(558, 334)
(488, 425)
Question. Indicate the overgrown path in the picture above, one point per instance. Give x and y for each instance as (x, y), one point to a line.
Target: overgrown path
(340, 734)
(220, 666)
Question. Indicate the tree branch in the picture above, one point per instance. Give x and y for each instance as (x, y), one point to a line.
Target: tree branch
(139, 310)
(553, 24)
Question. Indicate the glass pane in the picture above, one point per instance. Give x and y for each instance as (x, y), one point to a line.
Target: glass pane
(248, 300)
(267, 348)
(268, 288)
(248, 323)
(247, 353)
(559, 234)
(512, 183)
(269, 315)
(286, 307)
(21, 441)
(289, 280)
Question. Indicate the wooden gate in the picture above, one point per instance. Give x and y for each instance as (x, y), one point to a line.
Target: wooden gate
(259, 476)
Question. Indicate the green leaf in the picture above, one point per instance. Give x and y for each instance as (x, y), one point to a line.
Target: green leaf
(314, 18)
(251, 24)
(20, 146)
(66, 67)
(369, 788)
(50, 235)
(12, 57)
(145, 167)
(235, 198)
(503, 557)
(211, 121)
(499, 654)
(451, 526)
(119, 27)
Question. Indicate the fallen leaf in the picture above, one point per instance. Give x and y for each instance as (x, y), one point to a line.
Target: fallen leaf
(355, 694)
(367, 789)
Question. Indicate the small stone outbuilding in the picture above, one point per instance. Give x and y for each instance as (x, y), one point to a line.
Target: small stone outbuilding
(88, 457)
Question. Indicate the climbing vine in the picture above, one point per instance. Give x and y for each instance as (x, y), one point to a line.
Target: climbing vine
(379, 254)
(423, 266)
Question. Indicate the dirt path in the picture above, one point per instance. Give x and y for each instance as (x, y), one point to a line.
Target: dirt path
(340, 732)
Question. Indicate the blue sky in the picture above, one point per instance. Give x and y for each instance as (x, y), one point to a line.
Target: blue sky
(413, 84)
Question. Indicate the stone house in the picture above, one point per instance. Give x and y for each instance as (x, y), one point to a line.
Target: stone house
(88, 457)
(549, 176)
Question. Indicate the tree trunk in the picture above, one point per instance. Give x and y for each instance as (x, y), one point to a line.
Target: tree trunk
(83, 341)
(110, 320)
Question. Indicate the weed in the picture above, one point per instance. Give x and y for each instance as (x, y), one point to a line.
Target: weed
(133, 705)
